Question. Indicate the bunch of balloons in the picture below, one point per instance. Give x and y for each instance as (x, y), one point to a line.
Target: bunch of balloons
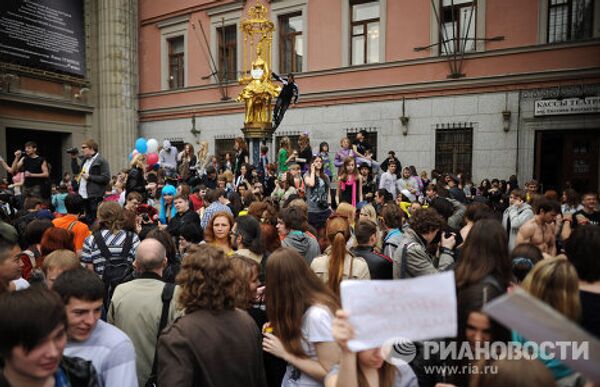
(148, 148)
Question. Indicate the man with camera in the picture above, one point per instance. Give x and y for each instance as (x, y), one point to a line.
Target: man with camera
(415, 257)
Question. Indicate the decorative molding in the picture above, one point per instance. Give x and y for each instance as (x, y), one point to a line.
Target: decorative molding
(46, 102)
(43, 74)
(369, 129)
(173, 21)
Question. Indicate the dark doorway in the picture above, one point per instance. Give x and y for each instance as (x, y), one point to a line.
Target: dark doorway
(567, 158)
(49, 145)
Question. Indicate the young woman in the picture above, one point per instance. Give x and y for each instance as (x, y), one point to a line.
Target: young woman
(318, 195)
(218, 230)
(135, 177)
(344, 153)
(227, 163)
(204, 159)
(186, 162)
(299, 329)
(285, 154)
(349, 189)
(324, 153)
(339, 263)
(305, 152)
(296, 173)
(243, 177)
(284, 187)
(554, 281)
(167, 209)
(241, 155)
(365, 368)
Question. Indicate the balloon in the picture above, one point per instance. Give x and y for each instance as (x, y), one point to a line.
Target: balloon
(141, 145)
(151, 159)
(152, 145)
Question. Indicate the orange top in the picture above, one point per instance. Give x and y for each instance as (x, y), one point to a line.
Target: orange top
(79, 229)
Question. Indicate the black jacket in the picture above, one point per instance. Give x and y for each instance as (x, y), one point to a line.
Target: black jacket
(177, 222)
(99, 176)
(380, 266)
(80, 372)
(135, 182)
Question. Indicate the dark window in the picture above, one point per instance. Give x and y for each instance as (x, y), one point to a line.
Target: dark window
(222, 146)
(364, 31)
(227, 41)
(290, 43)
(454, 150)
(570, 20)
(176, 64)
(371, 139)
(457, 29)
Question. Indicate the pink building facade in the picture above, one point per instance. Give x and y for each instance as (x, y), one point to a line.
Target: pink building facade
(488, 87)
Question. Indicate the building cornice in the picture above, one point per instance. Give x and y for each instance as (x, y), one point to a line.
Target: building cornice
(46, 102)
(414, 90)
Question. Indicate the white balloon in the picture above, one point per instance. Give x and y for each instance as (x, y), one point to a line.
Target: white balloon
(152, 145)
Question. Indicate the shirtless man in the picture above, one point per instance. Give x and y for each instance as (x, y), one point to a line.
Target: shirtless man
(540, 230)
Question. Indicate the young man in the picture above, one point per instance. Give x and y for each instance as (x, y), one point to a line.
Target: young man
(32, 339)
(540, 230)
(93, 178)
(589, 214)
(74, 204)
(295, 220)
(288, 91)
(516, 215)
(183, 216)
(380, 266)
(245, 238)
(388, 180)
(90, 338)
(137, 305)
(35, 169)
(392, 223)
(10, 261)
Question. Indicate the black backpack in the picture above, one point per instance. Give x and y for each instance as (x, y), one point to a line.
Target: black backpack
(116, 269)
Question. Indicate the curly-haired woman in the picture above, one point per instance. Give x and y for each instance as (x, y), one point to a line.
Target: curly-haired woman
(213, 343)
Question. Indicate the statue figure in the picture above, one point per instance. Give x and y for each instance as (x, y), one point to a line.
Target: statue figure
(258, 93)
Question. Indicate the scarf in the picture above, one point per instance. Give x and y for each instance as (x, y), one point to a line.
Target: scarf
(350, 181)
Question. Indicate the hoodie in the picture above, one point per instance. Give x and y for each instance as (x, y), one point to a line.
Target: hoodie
(513, 218)
(304, 244)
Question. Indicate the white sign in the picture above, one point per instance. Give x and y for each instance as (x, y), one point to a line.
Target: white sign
(540, 323)
(554, 107)
(413, 309)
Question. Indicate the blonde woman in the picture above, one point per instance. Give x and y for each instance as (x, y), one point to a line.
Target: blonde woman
(368, 212)
(204, 159)
(555, 282)
(135, 177)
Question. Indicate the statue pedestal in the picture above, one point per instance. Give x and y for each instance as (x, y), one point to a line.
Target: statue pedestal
(255, 133)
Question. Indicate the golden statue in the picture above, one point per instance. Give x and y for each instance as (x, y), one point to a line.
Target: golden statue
(258, 93)
(259, 90)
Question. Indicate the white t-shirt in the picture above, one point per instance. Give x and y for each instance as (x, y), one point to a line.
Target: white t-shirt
(316, 328)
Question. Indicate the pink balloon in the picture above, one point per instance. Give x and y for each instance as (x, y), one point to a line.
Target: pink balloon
(151, 159)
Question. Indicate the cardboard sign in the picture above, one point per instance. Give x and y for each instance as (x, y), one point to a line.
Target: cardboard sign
(540, 323)
(412, 309)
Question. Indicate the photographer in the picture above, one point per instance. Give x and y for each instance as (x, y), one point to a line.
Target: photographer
(414, 258)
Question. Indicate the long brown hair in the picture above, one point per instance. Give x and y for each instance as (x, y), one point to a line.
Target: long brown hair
(209, 234)
(292, 288)
(484, 253)
(338, 233)
(321, 172)
(344, 170)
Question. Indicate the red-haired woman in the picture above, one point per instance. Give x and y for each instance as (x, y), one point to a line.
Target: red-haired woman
(218, 230)
(300, 326)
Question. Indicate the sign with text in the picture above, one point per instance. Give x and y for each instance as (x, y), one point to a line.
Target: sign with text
(411, 309)
(44, 34)
(555, 107)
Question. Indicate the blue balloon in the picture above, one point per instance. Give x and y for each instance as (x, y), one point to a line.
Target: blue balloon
(141, 145)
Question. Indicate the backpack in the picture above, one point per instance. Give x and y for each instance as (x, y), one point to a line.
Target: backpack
(116, 269)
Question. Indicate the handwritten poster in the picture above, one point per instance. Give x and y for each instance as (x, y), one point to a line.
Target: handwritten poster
(412, 309)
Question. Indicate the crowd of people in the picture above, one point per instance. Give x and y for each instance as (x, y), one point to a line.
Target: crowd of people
(192, 270)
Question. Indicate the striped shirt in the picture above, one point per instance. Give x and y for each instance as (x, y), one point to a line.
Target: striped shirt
(91, 252)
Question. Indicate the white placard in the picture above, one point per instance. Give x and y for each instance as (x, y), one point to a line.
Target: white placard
(540, 323)
(413, 309)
